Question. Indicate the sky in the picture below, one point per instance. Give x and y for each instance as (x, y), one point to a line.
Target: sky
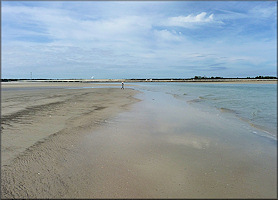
(138, 39)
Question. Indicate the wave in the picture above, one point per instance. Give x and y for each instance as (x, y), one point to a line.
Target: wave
(194, 100)
(260, 127)
(227, 110)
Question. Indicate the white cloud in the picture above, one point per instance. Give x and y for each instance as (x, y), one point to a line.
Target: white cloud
(62, 25)
(166, 35)
(187, 21)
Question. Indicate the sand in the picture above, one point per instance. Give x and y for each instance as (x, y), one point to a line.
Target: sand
(39, 127)
(105, 143)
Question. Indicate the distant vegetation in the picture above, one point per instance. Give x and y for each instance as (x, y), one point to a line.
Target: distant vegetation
(8, 80)
(11, 79)
(265, 77)
(217, 77)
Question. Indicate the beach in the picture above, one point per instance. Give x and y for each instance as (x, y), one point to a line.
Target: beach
(79, 140)
(41, 123)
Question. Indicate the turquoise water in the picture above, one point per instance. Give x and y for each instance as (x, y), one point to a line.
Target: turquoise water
(253, 103)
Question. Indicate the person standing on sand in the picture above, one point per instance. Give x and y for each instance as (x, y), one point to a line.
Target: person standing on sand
(122, 85)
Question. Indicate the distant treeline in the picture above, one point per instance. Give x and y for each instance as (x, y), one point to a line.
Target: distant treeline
(12, 79)
(217, 77)
(265, 77)
(199, 77)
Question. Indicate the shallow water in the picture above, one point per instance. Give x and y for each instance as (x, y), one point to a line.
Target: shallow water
(255, 104)
(176, 150)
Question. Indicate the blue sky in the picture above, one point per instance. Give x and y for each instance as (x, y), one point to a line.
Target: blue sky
(138, 39)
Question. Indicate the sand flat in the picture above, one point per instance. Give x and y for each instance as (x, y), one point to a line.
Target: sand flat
(31, 115)
(158, 148)
(33, 120)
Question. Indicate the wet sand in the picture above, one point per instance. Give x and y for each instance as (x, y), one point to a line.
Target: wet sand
(41, 125)
(95, 146)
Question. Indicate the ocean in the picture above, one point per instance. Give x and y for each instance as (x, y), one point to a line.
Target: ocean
(256, 104)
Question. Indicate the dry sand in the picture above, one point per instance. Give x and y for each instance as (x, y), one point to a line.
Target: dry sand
(59, 143)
